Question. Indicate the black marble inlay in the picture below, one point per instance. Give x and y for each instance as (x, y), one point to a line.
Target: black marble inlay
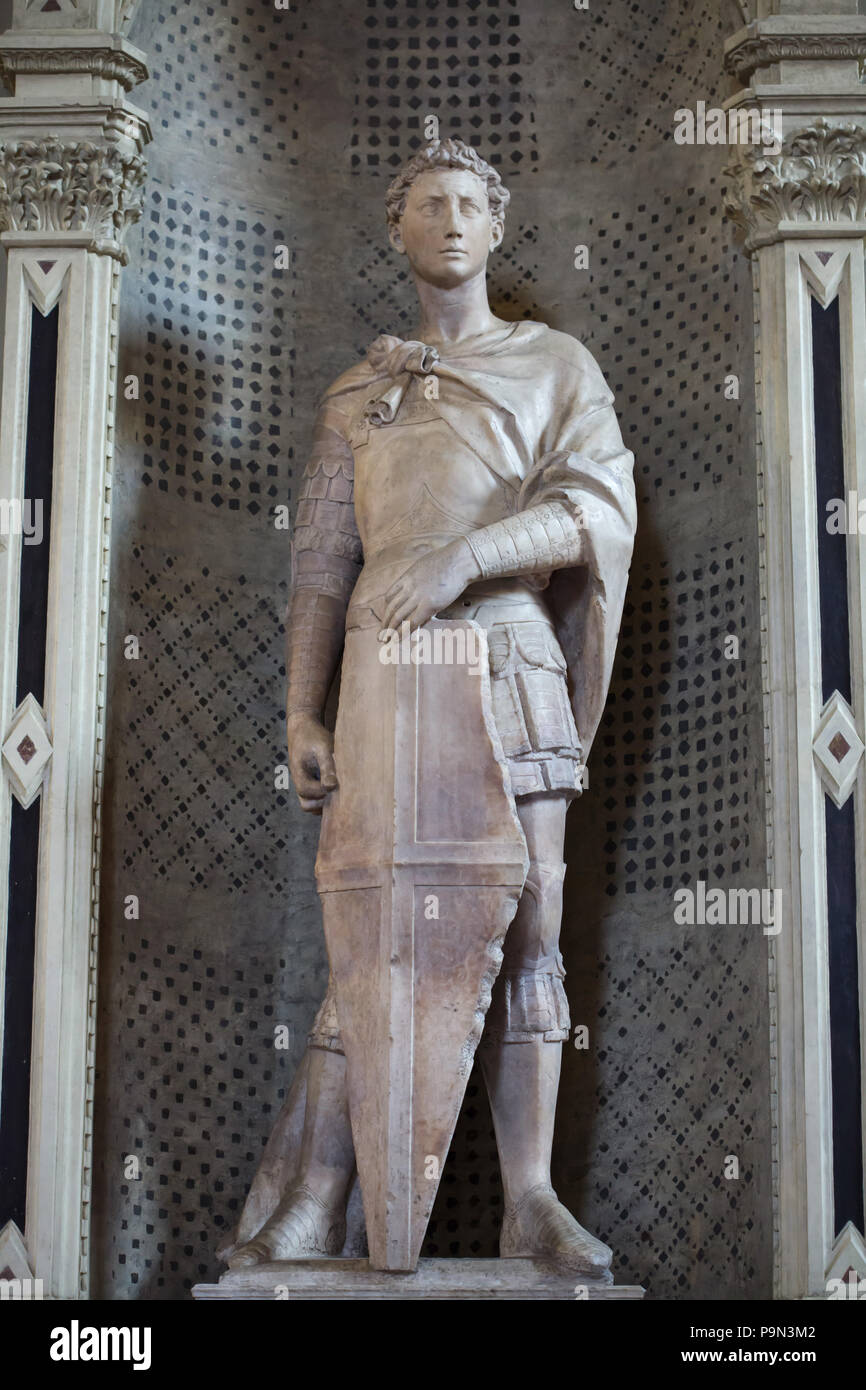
(33, 607)
(845, 1062)
(830, 484)
(18, 1012)
(24, 837)
(844, 1015)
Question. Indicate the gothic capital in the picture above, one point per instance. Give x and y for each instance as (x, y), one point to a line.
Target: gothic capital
(761, 50)
(819, 178)
(50, 186)
(113, 61)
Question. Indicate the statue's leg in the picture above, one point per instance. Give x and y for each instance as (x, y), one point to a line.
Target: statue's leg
(521, 1053)
(310, 1218)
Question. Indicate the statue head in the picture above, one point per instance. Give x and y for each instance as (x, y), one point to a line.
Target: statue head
(446, 212)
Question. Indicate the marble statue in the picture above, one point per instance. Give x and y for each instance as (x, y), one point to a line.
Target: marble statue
(469, 482)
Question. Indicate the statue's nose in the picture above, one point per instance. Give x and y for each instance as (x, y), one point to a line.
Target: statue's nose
(454, 222)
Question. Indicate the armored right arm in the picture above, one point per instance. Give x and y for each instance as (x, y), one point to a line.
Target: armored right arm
(326, 562)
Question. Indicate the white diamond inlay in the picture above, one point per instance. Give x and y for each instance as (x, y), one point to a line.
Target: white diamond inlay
(838, 748)
(27, 750)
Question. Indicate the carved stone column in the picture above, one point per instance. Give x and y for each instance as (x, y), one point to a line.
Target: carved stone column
(71, 176)
(802, 210)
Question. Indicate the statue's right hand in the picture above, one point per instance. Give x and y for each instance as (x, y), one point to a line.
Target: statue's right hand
(311, 760)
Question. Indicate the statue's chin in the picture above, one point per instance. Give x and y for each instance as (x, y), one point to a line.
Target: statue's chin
(448, 274)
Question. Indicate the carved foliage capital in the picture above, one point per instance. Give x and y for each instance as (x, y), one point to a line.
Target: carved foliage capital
(819, 177)
(51, 186)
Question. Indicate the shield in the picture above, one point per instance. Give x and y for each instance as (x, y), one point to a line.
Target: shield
(420, 867)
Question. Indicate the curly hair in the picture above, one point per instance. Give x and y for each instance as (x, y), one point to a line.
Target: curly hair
(446, 154)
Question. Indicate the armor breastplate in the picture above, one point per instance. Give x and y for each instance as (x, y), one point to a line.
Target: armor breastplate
(417, 487)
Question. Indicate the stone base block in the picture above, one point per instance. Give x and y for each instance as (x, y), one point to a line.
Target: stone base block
(433, 1279)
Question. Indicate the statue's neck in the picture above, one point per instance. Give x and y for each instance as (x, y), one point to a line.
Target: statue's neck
(450, 315)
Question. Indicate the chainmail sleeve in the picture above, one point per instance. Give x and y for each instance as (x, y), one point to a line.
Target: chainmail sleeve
(326, 562)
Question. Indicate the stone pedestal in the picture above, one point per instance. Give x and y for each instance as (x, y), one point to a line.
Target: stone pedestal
(433, 1279)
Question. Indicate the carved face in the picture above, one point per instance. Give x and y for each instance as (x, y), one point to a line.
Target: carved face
(446, 230)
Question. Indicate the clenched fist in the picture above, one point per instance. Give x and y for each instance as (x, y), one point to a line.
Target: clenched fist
(311, 760)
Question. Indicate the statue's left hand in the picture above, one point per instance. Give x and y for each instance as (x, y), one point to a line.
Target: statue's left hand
(429, 585)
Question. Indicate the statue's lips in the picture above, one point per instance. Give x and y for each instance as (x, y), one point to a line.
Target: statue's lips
(453, 251)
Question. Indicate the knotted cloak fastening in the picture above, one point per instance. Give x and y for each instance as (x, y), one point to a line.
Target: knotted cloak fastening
(399, 361)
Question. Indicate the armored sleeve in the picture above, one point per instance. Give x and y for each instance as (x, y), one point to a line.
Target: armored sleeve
(540, 539)
(326, 562)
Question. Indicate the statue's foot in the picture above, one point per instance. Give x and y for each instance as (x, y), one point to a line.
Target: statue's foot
(302, 1226)
(540, 1227)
